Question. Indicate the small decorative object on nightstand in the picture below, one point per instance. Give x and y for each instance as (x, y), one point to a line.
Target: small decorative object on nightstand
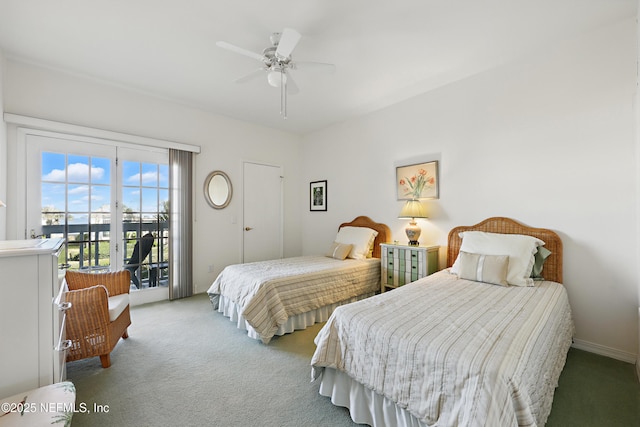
(405, 264)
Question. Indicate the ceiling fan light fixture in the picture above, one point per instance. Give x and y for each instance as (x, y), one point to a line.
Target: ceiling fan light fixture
(276, 78)
(276, 62)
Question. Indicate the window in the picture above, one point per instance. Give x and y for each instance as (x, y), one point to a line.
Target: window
(76, 204)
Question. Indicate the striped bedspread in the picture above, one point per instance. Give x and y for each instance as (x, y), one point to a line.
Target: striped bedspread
(269, 292)
(455, 352)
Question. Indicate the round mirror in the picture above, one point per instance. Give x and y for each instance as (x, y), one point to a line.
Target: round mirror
(217, 189)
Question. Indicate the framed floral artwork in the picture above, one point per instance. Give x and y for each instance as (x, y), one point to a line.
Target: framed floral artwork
(419, 181)
(318, 196)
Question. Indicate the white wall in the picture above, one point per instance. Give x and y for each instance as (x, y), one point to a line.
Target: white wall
(47, 94)
(547, 141)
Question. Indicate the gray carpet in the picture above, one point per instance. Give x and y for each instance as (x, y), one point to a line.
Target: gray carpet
(186, 365)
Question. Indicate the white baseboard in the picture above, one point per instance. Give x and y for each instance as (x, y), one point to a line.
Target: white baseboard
(605, 351)
(144, 296)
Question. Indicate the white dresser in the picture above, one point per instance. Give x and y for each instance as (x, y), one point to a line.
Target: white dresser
(30, 321)
(405, 264)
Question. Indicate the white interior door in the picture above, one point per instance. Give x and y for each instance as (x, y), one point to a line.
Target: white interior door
(262, 212)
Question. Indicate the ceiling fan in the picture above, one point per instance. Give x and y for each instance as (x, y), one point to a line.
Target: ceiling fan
(277, 64)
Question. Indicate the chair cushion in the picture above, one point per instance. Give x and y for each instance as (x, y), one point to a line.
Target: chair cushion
(117, 304)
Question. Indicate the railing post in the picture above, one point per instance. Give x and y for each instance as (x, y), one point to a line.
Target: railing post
(81, 258)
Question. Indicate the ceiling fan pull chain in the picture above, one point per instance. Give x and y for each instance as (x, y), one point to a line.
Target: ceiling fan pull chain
(281, 100)
(283, 96)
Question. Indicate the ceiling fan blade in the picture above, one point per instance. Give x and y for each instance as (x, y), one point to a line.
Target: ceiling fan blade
(292, 87)
(316, 66)
(240, 50)
(252, 75)
(288, 41)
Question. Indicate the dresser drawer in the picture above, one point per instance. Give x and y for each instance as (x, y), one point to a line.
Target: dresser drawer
(405, 264)
(410, 262)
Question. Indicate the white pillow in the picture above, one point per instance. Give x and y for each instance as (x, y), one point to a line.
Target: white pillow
(518, 247)
(360, 237)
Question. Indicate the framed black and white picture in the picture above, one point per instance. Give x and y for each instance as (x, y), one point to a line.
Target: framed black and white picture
(318, 196)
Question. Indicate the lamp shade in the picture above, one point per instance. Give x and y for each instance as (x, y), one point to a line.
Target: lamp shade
(413, 209)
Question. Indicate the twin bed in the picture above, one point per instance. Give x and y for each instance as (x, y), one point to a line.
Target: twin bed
(448, 351)
(276, 297)
(482, 347)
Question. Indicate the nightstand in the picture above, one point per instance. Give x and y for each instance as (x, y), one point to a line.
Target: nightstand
(405, 264)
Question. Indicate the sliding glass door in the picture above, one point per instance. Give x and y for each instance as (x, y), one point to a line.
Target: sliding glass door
(103, 199)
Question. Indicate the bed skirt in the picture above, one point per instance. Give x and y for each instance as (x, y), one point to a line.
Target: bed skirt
(300, 321)
(365, 405)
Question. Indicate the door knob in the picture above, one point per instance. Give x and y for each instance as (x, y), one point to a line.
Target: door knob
(248, 228)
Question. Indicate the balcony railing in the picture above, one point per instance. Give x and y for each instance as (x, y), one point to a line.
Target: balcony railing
(159, 229)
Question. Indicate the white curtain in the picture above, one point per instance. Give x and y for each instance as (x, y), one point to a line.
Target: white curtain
(180, 224)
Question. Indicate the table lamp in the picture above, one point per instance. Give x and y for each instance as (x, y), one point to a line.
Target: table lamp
(413, 209)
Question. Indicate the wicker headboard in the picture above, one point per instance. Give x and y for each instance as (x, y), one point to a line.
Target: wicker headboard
(552, 266)
(384, 232)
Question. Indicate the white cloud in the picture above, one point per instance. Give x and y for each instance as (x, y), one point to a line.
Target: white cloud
(147, 178)
(75, 172)
(80, 189)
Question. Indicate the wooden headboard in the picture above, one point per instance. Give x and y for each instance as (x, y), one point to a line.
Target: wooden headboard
(552, 266)
(384, 232)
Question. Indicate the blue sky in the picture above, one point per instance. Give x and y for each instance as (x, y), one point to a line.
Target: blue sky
(89, 179)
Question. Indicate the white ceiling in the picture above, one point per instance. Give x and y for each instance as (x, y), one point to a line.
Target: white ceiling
(384, 51)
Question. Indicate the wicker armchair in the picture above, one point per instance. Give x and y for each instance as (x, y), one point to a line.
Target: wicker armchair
(88, 324)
